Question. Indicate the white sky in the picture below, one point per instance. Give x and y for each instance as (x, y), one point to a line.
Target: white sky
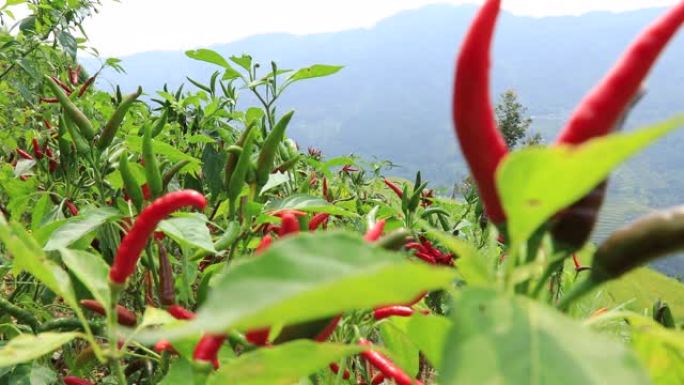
(143, 25)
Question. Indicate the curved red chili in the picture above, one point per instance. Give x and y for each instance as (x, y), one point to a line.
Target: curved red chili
(258, 337)
(480, 139)
(134, 242)
(71, 380)
(164, 345)
(24, 154)
(320, 219)
(601, 109)
(386, 367)
(289, 225)
(264, 244)
(73, 210)
(390, 311)
(329, 329)
(37, 151)
(335, 368)
(374, 233)
(123, 316)
(397, 190)
(179, 312)
(207, 349)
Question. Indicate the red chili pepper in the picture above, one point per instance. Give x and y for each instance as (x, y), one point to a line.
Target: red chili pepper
(416, 246)
(48, 100)
(63, 85)
(426, 257)
(296, 213)
(86, 85)
(289, 225)
(348, 168)
(601, 109)
(576, 261)
(390, 311)
(134, 242)
(378, 379)
(325, 190)
(374, 233)
(179, 312)
(71, 380)
(397, 190)
(207, 349)
(37, 151)
(258, 337)
(386, 367)
(264, 244)
(73, 210)
(328, 331)
(480, 140)
(52, 164)
(147, 194)
(165, 345)
(318, 220)
(48, 126)
(336, 369)
(123, 316)
(24, 154)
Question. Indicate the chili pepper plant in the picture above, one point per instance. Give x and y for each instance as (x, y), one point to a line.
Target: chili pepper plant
(180, 236)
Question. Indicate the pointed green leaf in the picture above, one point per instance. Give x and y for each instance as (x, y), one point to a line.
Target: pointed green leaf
(91, 270)
(27, 347)
(499, 340)
(537, 182)
(76, 228)
(281, 365)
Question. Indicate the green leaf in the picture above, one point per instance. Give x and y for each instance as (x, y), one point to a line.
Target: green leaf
(307, 203)
(244, 61)
(27, 347)
(180, 373)
(400, 348)
(308, 277)
(429, 333)
(275, 180)
(535, 183)
(315, 71)
(499, 340)
(213, 162)
(281, 365)
(91, 270)
(190, 229)
(661, 350)
(28, 256)
(76, 228)
(208, 56)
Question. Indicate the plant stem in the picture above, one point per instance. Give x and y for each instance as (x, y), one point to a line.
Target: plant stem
(576, 293)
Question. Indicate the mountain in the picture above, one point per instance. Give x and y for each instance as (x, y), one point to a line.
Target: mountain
(392, 100)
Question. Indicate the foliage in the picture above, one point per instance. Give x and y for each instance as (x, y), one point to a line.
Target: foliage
(289, 268)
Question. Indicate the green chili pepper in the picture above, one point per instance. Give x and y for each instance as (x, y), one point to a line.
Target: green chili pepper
(237, 179)
(76, 115)
(161, 123)
(152, 173)
(64, 145)
(269, 148)
(109, 130)
(82, 146)
(173, 171)
(288, 165)
(132, 187)
(233, 156)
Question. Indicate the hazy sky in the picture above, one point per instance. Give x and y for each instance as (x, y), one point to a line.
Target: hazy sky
(142, 25)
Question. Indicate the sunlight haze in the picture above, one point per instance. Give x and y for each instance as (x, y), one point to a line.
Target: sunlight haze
(144, 25)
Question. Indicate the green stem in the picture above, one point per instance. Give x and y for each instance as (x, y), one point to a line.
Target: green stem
(577, 292)
(550, 269)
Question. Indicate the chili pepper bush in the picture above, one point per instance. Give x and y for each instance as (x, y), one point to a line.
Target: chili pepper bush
(180, 236)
